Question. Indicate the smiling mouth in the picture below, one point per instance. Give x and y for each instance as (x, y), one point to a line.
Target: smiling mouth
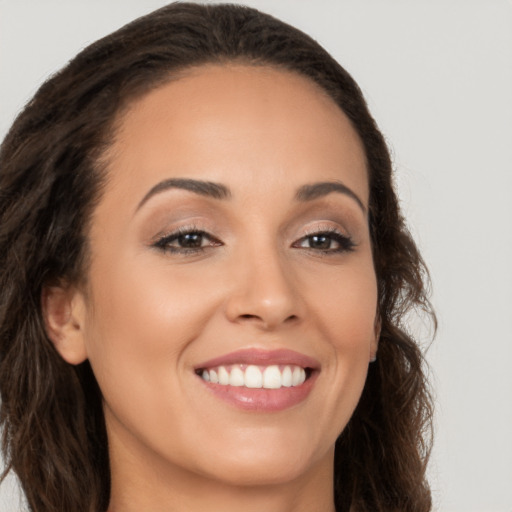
(255, 376)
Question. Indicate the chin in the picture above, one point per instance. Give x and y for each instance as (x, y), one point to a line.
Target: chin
(268, 463)
(261, 473)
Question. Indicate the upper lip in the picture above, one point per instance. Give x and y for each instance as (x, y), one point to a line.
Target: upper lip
(262, 357)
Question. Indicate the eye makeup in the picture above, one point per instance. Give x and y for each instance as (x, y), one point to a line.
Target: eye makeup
(186, 240)
(328, 241)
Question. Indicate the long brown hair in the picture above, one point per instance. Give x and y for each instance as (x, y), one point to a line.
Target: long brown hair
(51, 176)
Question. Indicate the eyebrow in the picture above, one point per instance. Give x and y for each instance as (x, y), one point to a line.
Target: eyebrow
(203, 188)
(317, 190)
(218, 191)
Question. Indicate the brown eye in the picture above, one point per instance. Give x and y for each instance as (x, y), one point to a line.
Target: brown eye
(190, 240)
(327, 242)
(185, 242)
(323, 242)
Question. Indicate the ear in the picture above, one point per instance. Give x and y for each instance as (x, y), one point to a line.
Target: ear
(63, 309)
(375, 343)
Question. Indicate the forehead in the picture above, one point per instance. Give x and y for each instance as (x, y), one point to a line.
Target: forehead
(232, 122)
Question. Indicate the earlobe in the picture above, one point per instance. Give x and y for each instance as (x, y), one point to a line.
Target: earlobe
(63, 310)
(375, 343)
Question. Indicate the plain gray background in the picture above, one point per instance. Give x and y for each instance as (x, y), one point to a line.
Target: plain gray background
(438, 78)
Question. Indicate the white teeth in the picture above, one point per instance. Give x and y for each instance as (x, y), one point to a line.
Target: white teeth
(236, 377)
(272, 377)
(223, 376)
(286, 377)
(269, 377)
(253, 377)
(297, 376)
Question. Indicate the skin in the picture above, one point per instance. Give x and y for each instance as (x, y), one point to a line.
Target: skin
(150, 316)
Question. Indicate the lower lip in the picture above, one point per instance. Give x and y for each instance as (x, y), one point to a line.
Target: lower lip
(261, 399)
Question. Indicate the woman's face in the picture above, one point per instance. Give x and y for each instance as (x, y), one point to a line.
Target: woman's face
(231, 243)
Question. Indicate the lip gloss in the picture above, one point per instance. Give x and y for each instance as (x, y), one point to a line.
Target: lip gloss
(262, 397)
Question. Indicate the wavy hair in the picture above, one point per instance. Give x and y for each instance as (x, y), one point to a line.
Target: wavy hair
(51, 175)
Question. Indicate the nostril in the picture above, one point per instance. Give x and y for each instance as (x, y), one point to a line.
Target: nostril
(248, 317)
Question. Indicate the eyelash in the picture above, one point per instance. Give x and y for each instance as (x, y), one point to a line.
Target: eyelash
(164, 242)
(346, 244)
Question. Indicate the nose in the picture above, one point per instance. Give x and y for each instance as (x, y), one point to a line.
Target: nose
(264, 292)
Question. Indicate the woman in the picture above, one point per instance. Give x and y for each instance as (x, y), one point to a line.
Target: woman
(202, 255)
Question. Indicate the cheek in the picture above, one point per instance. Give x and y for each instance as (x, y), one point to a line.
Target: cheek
(345, 313)
(141, 322)
(138, 334)
(346, 306)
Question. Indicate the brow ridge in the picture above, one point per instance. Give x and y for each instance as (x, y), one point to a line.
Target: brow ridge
(203, 188)
(316, 190)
